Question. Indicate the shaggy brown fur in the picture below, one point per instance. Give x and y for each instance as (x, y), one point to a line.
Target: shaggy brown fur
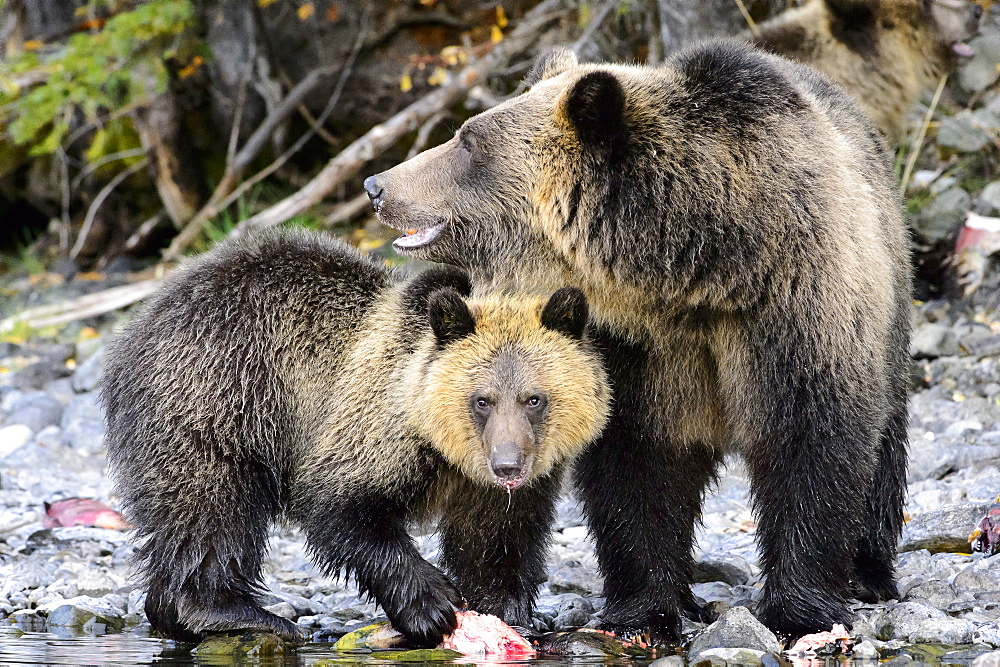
(287, 375)
(733, 220)
(884, 52)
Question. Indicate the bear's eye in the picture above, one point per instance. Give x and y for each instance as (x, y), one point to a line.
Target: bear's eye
(534, 401)
(466, 143)
(482, 403)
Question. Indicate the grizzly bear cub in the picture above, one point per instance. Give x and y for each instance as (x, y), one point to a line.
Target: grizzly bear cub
(735, 224)
(285, 375)
(884, 52)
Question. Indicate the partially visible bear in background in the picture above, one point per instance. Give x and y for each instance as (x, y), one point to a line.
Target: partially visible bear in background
(735, 223)
(285, 375)
(884, 52)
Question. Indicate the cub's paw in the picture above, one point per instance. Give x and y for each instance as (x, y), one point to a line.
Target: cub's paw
(429, 613)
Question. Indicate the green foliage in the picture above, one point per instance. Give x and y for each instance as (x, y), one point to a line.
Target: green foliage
(118, 67)
(217, 229)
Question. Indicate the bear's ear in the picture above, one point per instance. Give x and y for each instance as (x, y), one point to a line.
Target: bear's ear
(450, 317)
(853, 14)
(566, 312)
(549, 64)
(595, 106)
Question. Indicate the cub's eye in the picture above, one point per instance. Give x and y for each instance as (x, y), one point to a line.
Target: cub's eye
(466, 143)
(482, 403)
(534, 402)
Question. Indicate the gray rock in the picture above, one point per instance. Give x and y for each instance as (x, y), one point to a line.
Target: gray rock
(980, 71)
(87, 375)
(83, 424)
(935, 592)
(991, 193)
(731, 569)
(728, 656)
(865, 650)
(942, 215)
(283, 609)
(987, 633)
(991, 659)
(933, 340)
(737, 628)
(943, 530)
(36, 410)
(572, 611)
(943, 631)
(580, 580)
(982, 575)
(13, 438)
(967, 131)
(669, 661)
(904, 619)
(77, 616)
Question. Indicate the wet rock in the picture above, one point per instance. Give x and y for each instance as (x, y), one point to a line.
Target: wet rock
(87, 376)
(579, 579)
(76, 615)
(573, 611)
(582, 644)
(669, 661)
(727, 656)
(933, 340)
(13, 438)
(27, 620)
(904, 619)
(283, 609)
(865, 650)
(241, 645)
(946, 529)
(426, 655)
(951, 631)
(731, 569)
(737, 628)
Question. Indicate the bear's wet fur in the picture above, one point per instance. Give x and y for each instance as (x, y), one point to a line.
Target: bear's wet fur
(735, 224)
(285, 376)
(884, 52)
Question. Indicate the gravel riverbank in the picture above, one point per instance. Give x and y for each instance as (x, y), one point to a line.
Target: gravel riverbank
(76, 579)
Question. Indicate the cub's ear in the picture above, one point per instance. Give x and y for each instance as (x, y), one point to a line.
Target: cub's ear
(418, 291)
(566, 312)
(854, 14)
(450, 317)
(549, 64)
(595, 107)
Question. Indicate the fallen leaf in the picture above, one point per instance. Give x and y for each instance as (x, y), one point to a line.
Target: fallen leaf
(405, 83)
(305, 11)
(332, 12)
(496, 35)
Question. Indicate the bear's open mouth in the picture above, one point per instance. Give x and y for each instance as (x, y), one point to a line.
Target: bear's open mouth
(510, 483)
(417, 238)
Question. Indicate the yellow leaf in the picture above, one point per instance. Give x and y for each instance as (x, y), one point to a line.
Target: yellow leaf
(957, 397)
(438, 76)
(495, 34)
(405, 83)
(33, 44)
(88, 333)
(71, 364)
(191, 67)
(306, 10)
(265, 3)
(454, 55)
(501, 17)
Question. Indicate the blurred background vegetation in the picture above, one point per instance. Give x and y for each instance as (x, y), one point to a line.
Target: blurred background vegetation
(135, 131)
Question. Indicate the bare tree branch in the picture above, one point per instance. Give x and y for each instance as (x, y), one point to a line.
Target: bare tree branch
(106, 191)
(350, 160)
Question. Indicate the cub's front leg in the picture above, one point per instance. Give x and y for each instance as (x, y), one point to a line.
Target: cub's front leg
(495, 544)
(366, 537)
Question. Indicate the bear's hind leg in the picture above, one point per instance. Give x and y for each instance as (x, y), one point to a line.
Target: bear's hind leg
(494, 545)
(202, 550)
(875, 560)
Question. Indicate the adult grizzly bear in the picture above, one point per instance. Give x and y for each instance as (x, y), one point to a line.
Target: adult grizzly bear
(286, 375)
(884, 52)
(733, 220)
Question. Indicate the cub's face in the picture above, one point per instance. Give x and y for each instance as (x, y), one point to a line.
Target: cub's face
(946, 23)
(512, 388)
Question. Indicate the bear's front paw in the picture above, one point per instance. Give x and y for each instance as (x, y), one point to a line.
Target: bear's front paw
(429, 613)
(663, 627)
(793, 616)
